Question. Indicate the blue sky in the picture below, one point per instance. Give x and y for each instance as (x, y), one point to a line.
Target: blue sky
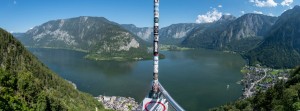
(21, 15)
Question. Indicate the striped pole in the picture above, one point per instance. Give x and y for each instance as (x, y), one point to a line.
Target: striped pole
(155, 84)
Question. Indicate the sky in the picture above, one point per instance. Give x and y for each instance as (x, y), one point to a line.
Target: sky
(22, 15)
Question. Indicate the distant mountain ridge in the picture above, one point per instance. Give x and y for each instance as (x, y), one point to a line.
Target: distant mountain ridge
(176, 33)
(207, 35)
(246, 34)
(19, 35)
(144, 33)
(170, 35)
(248, 25)
(230, 33)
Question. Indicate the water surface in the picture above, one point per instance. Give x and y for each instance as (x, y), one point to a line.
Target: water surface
(196, 79)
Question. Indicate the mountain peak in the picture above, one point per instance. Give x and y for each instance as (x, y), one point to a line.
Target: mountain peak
(129, 25)
(297, 7)
(227, 18)
(252, 14)
(288, 15)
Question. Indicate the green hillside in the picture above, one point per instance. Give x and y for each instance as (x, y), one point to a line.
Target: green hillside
(281, 48)
(27, 84)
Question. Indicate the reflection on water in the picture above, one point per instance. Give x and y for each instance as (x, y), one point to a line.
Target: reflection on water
(114, 68)
(76, 60)
(196, 79)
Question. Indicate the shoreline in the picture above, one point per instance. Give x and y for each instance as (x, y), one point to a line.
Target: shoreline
(96, 57)
(74, 85)
(79, 50)
(173, 48)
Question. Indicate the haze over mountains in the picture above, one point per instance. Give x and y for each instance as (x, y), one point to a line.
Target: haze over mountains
(247, 35)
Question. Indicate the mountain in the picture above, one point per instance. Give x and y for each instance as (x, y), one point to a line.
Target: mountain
(245, 32)
(228, 33)
(281, 48)
(145, 33)
(281, 97)
(206, 35)
(170, 35)
(101, 38)
(175, 33)
(248, 25)
(27, 84)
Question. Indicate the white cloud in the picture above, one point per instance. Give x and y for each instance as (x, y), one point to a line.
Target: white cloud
(286, 2)
(271, 14)
(210, 16)
(257, 12)
(243, 12)
(264, 3)
(220, 6)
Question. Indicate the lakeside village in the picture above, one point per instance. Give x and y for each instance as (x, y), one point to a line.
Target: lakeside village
(260, 78)
(115, 102)
(118, 103)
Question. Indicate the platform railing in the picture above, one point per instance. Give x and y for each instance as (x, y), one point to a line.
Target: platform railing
(175, 106)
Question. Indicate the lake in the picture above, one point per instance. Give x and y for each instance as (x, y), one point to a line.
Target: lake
(196, 79)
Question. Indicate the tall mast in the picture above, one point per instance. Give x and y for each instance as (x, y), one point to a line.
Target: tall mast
(155, 84)
(158, 99)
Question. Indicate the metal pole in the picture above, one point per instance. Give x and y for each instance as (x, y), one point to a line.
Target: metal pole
(155, 84)
(171, 101)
